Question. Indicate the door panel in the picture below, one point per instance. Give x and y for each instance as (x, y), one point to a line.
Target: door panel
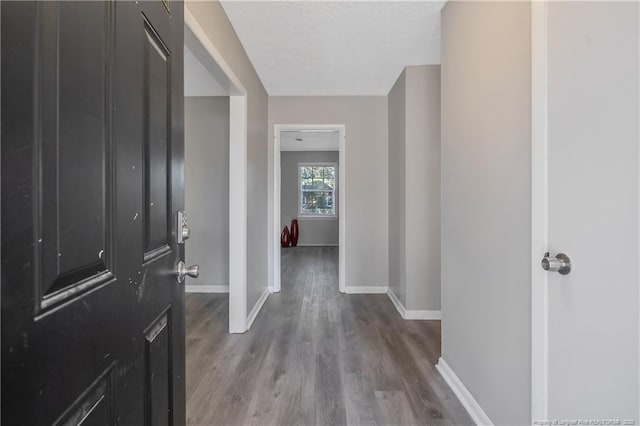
(92, 153)
(95, 406)
(157, 91)
(158, 371)
(73, 210)
(593, 209)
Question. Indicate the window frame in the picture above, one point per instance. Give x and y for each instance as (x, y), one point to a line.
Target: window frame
(303, 215)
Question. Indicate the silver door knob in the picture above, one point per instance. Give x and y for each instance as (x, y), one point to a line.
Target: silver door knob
(560, 264)
(184, 271)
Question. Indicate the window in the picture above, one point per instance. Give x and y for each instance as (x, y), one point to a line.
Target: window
(317, 183)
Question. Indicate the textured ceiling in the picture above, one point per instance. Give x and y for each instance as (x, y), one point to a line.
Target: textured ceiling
(309, 140)
(335, 48)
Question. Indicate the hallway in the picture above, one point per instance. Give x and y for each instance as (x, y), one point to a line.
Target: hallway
(314, 357)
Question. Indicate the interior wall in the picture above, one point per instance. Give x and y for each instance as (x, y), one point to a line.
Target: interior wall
(397, 213)
(215, 23)
(422, 175)
(313, 231)
(486, 203)
(206, 136)
(414, 188)
(367, 217)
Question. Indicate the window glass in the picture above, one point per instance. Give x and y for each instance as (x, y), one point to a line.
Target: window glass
(317, 183)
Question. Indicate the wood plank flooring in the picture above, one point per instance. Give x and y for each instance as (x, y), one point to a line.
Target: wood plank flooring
(315, 357)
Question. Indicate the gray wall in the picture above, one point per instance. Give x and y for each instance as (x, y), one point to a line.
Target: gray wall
(315, 231)
(206, 137)
(414, 188)
(215, 23)
(486, 203)
(422, 170)
(367, 217)
(397, 210)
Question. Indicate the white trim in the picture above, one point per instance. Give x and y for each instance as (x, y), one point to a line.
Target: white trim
(257, 307)
(206, 288)
(193, 25)
(342, 210)
(238, 216)
(237, 180)
(539, 212)
(422, 315)
(396, 302)
(412, 314)
(274, 252)
(366, 290)
(466, 398)
(317, 245)
(275, 209)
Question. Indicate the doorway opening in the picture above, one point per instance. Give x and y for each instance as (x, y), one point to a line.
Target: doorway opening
(215, 172)
(309, 186)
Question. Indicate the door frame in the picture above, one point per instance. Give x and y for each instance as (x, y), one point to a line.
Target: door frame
(539, 211)
(237, 178)
(342, 201)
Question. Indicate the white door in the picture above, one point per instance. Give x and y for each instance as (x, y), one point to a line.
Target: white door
(593, 215)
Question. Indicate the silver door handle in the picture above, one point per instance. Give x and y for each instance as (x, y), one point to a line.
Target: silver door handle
(560, 264)
(183, 271)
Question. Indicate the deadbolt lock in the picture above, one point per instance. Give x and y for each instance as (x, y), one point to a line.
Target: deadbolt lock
(183, 232)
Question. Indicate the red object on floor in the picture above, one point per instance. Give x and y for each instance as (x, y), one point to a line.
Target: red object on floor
(284, 237)
(295, 232)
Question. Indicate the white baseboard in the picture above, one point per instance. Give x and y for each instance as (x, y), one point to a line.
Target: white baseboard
(256, 308)
(413, 314)
(396, 302)
(366, 290)
(468, 401)
(195, 288)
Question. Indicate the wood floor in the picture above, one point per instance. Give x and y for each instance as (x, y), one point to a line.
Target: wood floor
(315, 357)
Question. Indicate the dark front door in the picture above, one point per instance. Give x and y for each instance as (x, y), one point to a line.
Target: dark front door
(92, 178)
